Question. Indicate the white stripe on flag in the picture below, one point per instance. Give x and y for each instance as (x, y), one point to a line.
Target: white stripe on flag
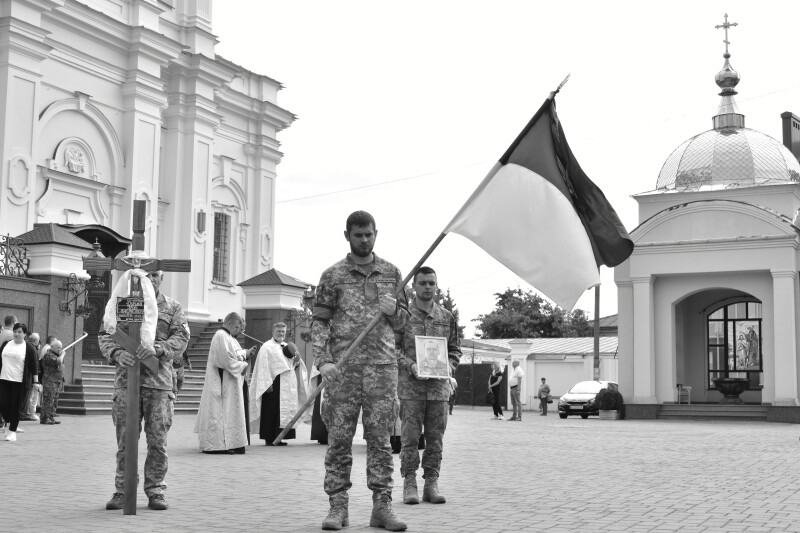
(524, 222)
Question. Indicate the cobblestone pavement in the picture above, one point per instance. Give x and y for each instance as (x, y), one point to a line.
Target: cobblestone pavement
(541, 474)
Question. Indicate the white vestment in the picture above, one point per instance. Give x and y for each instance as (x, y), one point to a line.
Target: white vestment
(220, 419)
(269, 363)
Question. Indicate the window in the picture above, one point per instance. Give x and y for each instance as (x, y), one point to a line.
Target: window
(734, 343)
(222, 239)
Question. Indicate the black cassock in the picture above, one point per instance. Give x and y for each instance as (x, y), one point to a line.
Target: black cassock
(319, 432)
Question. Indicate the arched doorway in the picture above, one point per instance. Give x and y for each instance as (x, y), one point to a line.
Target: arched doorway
(719, 334)
(111, 245)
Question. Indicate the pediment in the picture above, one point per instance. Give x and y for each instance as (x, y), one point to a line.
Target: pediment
(712, 219)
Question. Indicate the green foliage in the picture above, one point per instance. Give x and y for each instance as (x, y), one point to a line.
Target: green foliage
(524, 314)
(445, 300)
(609, 400)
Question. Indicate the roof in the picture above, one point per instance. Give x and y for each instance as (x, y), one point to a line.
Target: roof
(53, 234)
(562, 345)
(274, 277)
(610, 321)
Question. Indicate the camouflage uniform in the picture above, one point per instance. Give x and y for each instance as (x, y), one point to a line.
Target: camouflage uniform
(51, 384)
(424, 402)
(347, 298)
(179, 368)
(156, 396)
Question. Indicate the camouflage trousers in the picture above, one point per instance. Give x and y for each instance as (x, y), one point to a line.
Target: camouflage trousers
(414, 414)
(155, 409)
(50, 392)
(371, 388)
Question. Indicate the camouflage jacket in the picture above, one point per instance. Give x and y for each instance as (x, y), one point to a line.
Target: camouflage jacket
(346, 301)
(53, 370)
(172, 335)
(439, 323)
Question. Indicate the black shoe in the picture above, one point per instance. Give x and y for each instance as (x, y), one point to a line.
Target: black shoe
(158, 503)
(269, 443)
(238, 451)
(116, 502)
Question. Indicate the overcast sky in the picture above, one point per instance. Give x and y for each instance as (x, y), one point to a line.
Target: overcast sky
(403, 108)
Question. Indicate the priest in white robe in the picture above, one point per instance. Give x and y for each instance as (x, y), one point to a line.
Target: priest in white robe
(220, 425)
(278, 387)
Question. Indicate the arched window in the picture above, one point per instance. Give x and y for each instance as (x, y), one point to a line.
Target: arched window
(734, 343)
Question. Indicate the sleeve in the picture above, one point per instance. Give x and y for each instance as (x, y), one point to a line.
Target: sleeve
(399, 319)
(225, 356)
(324, 305)
(109, 347)
(30, 361)
(453, 344)
(175, 344)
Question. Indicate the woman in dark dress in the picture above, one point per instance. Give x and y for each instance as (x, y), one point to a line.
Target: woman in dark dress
(494, 385)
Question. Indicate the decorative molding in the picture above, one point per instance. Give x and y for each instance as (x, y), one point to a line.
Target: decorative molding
(18, 184)
(74, 155)
(61, 185)
(265, 241)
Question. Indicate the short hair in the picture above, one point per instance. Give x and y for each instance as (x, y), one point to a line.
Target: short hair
(231, 317)
(20, 325)
(359, 218)
(32, 333)
(57, 341)
(50, 339)
(277, 325)
(424, 270)
(9, 321)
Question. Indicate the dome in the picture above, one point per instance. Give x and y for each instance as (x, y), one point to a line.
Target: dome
(728, 157)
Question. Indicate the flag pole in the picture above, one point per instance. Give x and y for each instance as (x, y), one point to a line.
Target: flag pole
(374, 322)
(597, 333)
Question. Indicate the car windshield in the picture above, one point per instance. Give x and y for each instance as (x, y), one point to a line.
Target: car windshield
(587, 387)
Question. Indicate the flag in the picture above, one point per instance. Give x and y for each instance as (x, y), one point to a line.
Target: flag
(538, 213)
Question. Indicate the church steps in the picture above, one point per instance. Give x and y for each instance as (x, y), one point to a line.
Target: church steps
(702, 411)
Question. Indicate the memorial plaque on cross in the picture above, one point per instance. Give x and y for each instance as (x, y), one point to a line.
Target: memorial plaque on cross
(130, 310)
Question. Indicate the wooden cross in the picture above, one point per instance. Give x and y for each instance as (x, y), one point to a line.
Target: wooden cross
(725, 25)
(131, 341)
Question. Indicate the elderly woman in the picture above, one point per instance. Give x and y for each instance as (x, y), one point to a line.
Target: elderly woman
(53, 364)
(17, 375)
(494, 385)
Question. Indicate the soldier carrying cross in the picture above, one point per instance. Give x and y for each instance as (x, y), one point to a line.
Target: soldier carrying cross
(164, 336)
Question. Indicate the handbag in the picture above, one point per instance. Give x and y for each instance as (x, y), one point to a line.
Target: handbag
(549, 399)
(489, 397)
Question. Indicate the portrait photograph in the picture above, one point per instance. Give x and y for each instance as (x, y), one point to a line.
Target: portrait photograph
(432, 357)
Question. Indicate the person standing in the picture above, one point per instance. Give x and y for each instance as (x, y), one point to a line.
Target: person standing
(53, 366)
(7, 334)
(17, 376)
(495, 379)
(277, 387)
(220, 424)
(424, 401)
(28, 410)
(544, 396)
(453, 391)
(157, 401)
(515, 384)
(349, 295)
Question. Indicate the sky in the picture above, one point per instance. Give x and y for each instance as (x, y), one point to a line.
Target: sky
(403, 107)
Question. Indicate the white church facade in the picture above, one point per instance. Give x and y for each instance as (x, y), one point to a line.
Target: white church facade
(711, 289)
(104, 102)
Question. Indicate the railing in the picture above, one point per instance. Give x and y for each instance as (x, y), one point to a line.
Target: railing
(13, 257)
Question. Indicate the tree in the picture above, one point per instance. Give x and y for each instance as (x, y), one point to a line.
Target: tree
(523, 314)
(445, 300)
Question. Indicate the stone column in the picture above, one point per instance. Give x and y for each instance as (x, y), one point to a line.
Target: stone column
(784, 294)
(644, 382)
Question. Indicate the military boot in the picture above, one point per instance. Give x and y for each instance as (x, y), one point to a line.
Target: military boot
(410, 489)
(383, 515)
(337, 515)
(430, 493)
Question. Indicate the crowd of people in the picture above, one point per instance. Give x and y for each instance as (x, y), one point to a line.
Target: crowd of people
(31, 377)
(365, 335)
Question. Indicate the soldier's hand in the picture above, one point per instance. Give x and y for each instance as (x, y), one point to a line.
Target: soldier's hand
(330, 374)
(144, 353)
(415, 372)
(388, 305)
(126, 359)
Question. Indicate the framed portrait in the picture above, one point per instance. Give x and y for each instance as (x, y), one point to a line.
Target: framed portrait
(432, 357)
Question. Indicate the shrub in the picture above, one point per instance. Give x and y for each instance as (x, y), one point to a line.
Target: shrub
(609, 400)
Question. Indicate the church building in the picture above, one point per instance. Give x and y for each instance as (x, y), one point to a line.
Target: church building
(709, 298)
(104, 102)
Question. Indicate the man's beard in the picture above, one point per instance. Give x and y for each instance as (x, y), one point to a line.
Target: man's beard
(359, 251)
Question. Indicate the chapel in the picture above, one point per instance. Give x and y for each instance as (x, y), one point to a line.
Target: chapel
(710, 292)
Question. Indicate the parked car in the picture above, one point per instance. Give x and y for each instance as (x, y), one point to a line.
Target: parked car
(580, 399)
